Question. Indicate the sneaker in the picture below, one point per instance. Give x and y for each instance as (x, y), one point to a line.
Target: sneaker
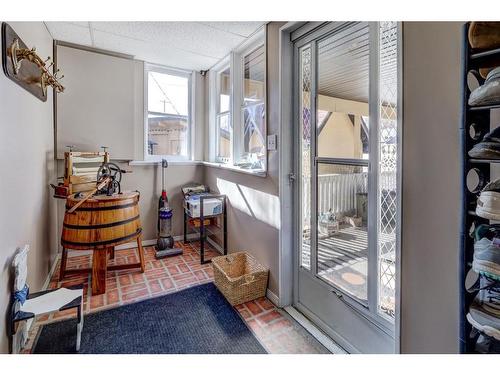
(489, 147)
(484, 313)
(486, 258)
(489, 92)
(484, 35)
(485, 230)
(472, 281)
(488, 203)
(487, 345)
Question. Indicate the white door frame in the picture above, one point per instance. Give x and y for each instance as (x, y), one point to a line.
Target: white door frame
(286, 169)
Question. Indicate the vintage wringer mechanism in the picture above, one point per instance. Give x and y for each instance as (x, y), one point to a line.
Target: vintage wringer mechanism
(81, 172)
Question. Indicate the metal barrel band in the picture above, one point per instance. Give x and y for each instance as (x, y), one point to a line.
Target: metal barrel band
(102, 243)
(104, 208)
(99, 226)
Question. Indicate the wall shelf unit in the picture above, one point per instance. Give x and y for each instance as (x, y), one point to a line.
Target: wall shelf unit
(475, 123)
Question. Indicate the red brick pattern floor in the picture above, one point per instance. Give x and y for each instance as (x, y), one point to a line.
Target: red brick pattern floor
(276, 331)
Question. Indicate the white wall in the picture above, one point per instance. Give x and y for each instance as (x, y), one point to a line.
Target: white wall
(431, 186)
(27, 144)
(254, 206)
(97, 108)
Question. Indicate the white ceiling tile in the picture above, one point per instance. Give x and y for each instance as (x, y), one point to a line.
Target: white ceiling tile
(79, 23)
(152, 52)
(244, 29)
(70, 32)
(188, 36)
(188, 45)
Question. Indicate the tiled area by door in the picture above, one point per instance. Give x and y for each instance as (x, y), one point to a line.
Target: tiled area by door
(277, 332)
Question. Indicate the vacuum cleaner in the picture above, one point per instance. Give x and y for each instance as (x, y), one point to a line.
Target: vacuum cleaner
(165, 241)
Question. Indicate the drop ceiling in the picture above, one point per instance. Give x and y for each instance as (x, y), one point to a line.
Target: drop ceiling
(187, 45)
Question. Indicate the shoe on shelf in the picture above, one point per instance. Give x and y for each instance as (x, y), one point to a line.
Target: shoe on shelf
(484, 35)
(472, 281)
(486, 259)
(484, 312)
(485, 230)
(488, 203)
(489, 147)
(489, 92)
(487, 345)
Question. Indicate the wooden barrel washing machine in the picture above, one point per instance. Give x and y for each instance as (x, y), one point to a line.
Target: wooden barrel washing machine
(100, 220)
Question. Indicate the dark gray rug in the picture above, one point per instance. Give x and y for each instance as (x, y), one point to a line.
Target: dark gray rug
(195, 320)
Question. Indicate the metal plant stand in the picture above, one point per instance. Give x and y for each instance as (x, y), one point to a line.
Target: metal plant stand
(205, 230)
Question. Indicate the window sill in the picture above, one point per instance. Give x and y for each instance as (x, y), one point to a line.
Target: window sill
(235, 169)
(198, 162)
(156, 162)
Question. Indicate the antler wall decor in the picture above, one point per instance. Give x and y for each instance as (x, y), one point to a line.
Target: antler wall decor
(25, 67)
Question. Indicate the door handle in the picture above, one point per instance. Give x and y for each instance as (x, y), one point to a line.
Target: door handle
(338, 294)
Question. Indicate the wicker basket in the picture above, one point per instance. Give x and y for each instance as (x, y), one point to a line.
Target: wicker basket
(240, 277)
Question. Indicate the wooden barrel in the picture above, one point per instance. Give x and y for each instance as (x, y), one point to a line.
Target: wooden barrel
(102, 221)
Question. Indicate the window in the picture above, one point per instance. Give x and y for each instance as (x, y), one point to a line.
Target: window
(167, 102)
(252, 138)
(224, 129)
(238, 109)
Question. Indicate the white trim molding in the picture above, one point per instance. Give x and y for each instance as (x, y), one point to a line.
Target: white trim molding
(271, 296)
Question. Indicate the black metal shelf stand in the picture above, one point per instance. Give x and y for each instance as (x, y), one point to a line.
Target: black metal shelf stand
(205, 230)
(474, 124)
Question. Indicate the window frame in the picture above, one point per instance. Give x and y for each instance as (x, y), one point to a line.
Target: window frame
(148, 67)
(235, 61)
(256, 42)
(225, 64)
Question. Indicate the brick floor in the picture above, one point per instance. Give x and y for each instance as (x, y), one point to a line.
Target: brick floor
(276, 331)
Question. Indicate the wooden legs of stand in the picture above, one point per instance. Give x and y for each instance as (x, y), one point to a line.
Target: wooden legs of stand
(141, 253)
(64, 258)
(100, 266)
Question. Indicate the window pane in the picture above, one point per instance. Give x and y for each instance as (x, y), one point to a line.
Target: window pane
(168, 93)
(342, 227)
(167, 134)
(387, 210)
(305, 149)
(342, 134)
(225, 133)
(168, 114)
(224, 90)
(254, 150)
(253, 75)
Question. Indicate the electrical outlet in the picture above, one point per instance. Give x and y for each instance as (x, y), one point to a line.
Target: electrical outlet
(272, 142)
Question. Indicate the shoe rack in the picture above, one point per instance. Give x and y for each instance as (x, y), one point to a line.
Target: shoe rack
(474, 124)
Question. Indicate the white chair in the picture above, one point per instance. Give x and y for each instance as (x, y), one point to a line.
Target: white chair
(27, 306)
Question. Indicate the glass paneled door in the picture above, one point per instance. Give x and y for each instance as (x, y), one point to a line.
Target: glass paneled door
(346, 198)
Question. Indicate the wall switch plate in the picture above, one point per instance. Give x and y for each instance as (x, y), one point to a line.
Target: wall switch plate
(272, 142)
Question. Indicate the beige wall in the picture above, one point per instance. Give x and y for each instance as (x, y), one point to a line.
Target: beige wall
(97, 108)
(431, 184)
(340, 138)
(147, 178)
(27, 145)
